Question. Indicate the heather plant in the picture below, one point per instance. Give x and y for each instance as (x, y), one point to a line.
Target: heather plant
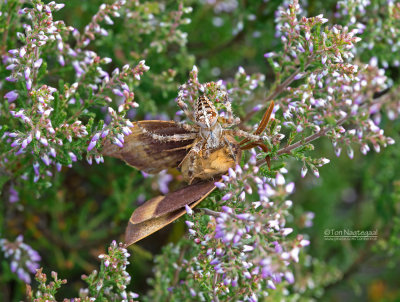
(75, 77)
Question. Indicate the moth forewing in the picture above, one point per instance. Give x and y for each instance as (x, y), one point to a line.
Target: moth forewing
(162, 210)
(142, 151)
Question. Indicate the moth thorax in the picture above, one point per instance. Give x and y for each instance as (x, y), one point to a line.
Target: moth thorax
(206, 114)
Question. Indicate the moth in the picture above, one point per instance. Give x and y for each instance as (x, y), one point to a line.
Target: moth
(203, 150)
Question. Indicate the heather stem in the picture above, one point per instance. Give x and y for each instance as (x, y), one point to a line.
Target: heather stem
(312, 137)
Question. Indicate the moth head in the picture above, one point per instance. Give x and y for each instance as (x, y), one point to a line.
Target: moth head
(205, 113)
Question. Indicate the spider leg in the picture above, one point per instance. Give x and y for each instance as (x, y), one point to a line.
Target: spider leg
(187, 127)
(195, 150)
(263, 123)
(229, 112)
(180, 148)
(229, 144)
(170, 138)
(193, 164)
(230, 119)
(193, 160)
(185, 109)
(263, 147)
(246, 135)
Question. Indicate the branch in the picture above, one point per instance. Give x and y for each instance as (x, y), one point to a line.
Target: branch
(215, 296)
(178, 270)
(312, 137)
(209, 212)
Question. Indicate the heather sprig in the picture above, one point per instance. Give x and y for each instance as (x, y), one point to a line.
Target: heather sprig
(23, 259)
(45, 292)
(107, 284)
(331, 91)
(105, 14)
(378, 22)
(110, 282)
(54, 137)
(24, 62)
(245, 243)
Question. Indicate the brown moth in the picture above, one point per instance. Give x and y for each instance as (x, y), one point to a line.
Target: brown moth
(203, 150)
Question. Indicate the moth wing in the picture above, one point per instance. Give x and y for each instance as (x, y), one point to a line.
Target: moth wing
(160, 211)
(143, 152)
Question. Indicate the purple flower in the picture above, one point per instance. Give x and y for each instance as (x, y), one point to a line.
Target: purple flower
(91, 145)
(163, 180)
(244, 216)
(11, 67)
(220, 185)
(11, 79)
(257, 108)
(303, 171)
(289, 277)
(311, 47)
(189, 223)
(72, 156)
(27, 73)
(105, 133)
(117, 92)
(36, 168)
(14, 196)
(38, 63)
(298, 76)
(11, 96)
(189, 211)
(46, 159)
(29, 84)
(227, 196)
(23, 259)
(117, 142)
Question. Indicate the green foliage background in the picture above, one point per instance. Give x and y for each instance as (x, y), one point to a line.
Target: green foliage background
(86, 207)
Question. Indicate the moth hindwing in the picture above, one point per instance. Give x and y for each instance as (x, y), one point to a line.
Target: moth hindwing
(160, 211)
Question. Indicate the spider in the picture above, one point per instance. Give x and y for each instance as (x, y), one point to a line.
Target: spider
(213, 149)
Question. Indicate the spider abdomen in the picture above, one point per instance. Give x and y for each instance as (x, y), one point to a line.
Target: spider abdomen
(205, 115)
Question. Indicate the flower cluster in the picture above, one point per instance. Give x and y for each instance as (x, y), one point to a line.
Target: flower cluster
(382, 18)
(118, 126)
(330, 90)
(246, 242)
(25, 62)
(106, 11)
(48, 134)
(45, 292)
(23, 259)
(40, 135)
(109, 284)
